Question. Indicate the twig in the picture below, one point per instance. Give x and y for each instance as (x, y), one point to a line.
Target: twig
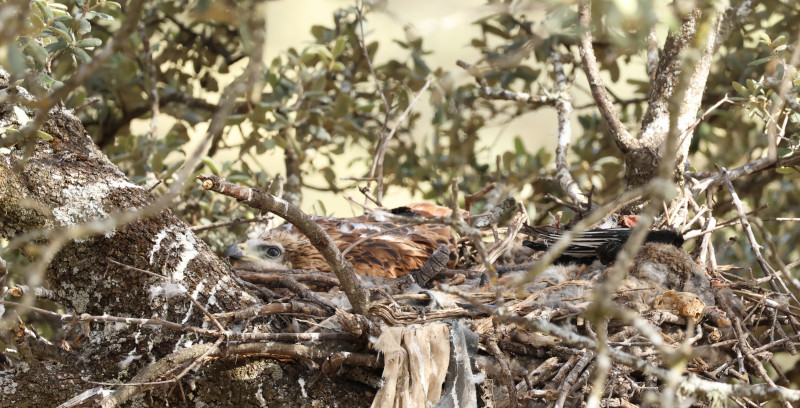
(508, 378)
(689, 384)
(273, 308)
(316, 278)
(380, 152)
(765, 267)
(470, 198)
(576, 370)
(288, 282)
(157, 369)
(235, 221)
(485, 91)
(21, 290)
(433, 266)
(363, 42)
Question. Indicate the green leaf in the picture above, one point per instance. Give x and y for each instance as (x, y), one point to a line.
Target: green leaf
(89, 43)
(105, 16)
(37, 52)
(85, 26)
(320, 133)
(63, 33)
(338, 48)
(56, 46)
(22, 117)
(759, 61)
(740, 89)
(210, 164)
(779, 41)
(785, 170)
(43, 135)
(44, 9)
(37, 21)
(519, 147)
(81, 54)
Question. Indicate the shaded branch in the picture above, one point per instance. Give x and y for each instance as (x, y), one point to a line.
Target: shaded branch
(263, 201)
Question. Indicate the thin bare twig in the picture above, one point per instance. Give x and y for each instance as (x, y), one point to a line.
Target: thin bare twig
(380, 151)
(765, 267)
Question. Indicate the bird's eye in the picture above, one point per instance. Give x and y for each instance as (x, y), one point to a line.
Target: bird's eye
(273, 252)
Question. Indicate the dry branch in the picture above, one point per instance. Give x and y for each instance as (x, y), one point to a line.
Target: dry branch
(263, 201)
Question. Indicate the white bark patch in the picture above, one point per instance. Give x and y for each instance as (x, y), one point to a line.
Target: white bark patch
(260, 394)
(302, 383)
(128, 360)
(84, 201)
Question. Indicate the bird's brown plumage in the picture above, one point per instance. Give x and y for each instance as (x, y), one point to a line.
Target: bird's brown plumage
(374, 246)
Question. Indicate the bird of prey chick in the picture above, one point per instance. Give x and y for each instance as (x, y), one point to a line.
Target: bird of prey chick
(374, 245)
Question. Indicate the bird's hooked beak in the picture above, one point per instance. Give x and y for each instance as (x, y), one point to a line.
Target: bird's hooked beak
(239, 255)
(236, 251)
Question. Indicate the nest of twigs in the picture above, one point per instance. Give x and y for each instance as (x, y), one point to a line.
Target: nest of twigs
(539, 342)
(520, 331)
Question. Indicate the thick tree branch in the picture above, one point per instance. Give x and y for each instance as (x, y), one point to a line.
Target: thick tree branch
(624, 140)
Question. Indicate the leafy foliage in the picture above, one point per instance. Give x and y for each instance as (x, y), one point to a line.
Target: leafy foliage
(321, 102)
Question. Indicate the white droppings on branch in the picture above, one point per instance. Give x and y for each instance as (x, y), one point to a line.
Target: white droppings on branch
(198, 289)
(282, 202)
(302, 383)
(128, 360)
(168, 289)
(260, 394)
(186, 241)
(159, 237)
(184, 244)
(123, 183)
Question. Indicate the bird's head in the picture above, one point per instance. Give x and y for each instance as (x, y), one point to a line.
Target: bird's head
(258, 254)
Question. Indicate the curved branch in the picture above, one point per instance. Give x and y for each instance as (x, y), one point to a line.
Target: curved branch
(624, 140)
(261, 200)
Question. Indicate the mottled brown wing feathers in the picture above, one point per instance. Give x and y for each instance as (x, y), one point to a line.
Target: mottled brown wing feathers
(385, 249)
